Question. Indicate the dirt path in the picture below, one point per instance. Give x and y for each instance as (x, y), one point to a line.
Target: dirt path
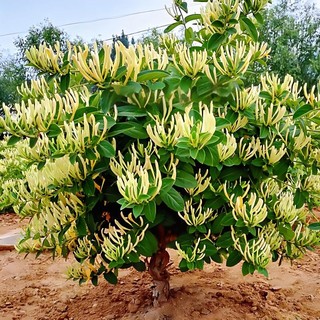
(37, 289)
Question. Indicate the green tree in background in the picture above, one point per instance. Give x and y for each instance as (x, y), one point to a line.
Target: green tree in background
(45, 32)
(123, 38)
(151, 37)
(13, 69)
(12, 75)
(292, 31)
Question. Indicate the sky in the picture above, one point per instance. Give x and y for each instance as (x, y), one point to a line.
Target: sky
(17, 16)
(89, 19)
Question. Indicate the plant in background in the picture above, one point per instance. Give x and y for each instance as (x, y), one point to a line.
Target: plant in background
(167, 147)
(12, 169)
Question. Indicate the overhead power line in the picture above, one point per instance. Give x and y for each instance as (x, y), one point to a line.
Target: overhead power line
(137, 32)
(98, 20)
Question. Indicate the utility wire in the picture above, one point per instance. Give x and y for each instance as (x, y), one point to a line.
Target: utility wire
(97, 20)
(137, 32)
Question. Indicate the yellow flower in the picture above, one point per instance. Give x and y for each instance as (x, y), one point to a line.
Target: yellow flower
(256, 251)
(196, 216)
(196, 254)
(228, 149)
(189, 63)
(252, 211)
(232, 61)
(136, 183)
(200, 132)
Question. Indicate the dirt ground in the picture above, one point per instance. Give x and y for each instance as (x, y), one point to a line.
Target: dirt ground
(37, 289)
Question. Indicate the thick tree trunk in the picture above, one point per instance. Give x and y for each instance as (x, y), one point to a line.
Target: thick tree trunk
(157, 268)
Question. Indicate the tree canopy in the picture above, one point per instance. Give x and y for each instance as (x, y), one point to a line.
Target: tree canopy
(292, 31)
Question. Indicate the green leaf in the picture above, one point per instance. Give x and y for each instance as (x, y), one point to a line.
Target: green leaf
(211, 156)
(215, 41)
(150, 211)
(233, 173)
(89, 154)
(110, 277)
(265, 95)
(286, 231)
(172, 26)
(85, 110)
(251, 29)
(204, 87)
(199, 155)
(53, 131)
(133, 257)
(13, 140)
(127, 90)
(146, 75)
(185, 84)
(259, 18)
(139, 266)
(189, 35)
(210, 248)
(129, 128)
(218, 24)
(88, 187)
(264, 132)
(159, 85)
(183, 5)
(105, 149)
(64, 82)
(299, 198)
(202, 228)
(108, 99)
(228, 220)
(137, 210)
(167, 184)
(247, 268)
(234, 258)
(41, 165)
(131, 111)
(217, 227)
(222, 123)
(148, 245)
(185, 180)
(172, 199)
(81, 226)
(215, 203)
(314, 226)
(183, 265)
(263, 271)
(33, 142)
(302, 110)
(101, 166)
(225, 240)
(191, 17)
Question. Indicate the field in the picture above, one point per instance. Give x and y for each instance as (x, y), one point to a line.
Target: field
(37, 289)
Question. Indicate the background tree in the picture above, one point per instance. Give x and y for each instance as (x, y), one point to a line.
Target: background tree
(123, 38)
(292, 31)
(45, 32)
(12, 75)
(13, 69)
(151, 37)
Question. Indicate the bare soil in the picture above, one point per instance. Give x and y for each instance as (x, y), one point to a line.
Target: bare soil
(37, 289)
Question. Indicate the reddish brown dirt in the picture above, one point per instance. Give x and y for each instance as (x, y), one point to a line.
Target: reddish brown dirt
(37, 289)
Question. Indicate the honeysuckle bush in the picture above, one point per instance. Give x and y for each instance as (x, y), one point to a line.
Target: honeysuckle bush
(12, 168)
(167, 148)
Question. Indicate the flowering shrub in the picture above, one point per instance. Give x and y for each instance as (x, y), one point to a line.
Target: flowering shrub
(12, 168)
(167, 148)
